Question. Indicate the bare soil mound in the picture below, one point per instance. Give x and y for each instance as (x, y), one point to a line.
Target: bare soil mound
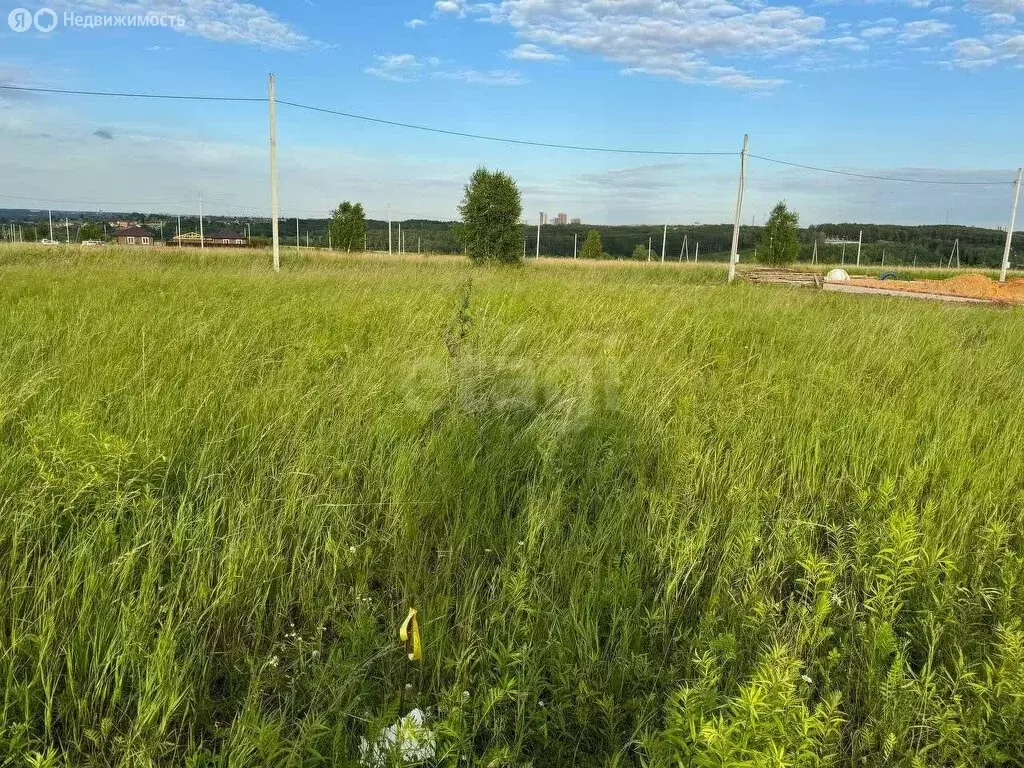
(972, 286)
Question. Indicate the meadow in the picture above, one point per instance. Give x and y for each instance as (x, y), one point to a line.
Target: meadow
(646, 518)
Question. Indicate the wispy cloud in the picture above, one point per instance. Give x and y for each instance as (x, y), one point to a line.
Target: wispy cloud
(688, 41)
(407, 68)
(994, 48)
(1000, 19)
(916, 30)
(531, 52)
(849, 42)
(414, 23)
(399, 68)
(226, 21)
(483, 77)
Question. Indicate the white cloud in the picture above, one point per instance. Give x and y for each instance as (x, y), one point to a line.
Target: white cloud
(226, 21)
(450, 6)
(531, 52)
(879, 28)
(972, 53)
(996, 6)
(943, 9)
(1001, 19)
(480, 77)
(850, 42)
(407, 68)
(681, 39)
(995, 48)
(399, 68)
(413, 23)
(916, 30)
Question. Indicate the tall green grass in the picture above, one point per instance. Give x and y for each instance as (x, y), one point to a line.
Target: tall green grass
(646, 518)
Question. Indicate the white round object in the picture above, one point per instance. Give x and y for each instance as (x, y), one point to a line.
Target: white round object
(838, 276)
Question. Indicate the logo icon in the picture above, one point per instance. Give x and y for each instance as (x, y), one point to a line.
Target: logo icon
(45, 20)
(20, 20)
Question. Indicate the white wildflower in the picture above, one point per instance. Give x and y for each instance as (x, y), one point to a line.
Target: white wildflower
(409, 740)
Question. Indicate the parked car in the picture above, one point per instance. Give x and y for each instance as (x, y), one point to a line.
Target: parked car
(48, 241)
(93, 242)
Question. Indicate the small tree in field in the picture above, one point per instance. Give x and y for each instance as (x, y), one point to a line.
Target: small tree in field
(640, 253)
(592, 248)
(490, 210)
(348, 226)
(780, 243)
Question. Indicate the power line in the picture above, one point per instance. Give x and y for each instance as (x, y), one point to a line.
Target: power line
(503, 139)
(499, 139)
(881, 178)
(119, 94)
(376, 120)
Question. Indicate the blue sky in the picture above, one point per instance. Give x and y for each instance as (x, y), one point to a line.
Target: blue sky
(921, 88)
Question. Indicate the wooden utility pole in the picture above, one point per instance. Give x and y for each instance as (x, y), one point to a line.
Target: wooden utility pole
(274, 212)
(955, 252)
(734, 254)
(1009, 230)
(540, 220)
(664, 242)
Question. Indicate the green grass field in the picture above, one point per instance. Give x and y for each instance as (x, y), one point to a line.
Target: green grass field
(647, 519)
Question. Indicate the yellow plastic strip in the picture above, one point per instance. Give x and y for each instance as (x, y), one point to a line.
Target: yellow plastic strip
(410, 634)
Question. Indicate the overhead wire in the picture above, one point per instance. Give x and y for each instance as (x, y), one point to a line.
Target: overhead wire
(499, 139)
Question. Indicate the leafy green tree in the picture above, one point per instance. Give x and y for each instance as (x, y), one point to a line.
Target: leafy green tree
(90, 231)
(640, 253)
(491, 209)
(592, 248)
(348, 226)
(780, 242)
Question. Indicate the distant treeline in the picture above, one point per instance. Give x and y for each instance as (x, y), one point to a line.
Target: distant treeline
(922, 245)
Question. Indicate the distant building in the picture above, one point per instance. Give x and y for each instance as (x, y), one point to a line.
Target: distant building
(561, 219)
(543, 219)
(134, 236)
(225, 238)
(186, 238)
(576, 221)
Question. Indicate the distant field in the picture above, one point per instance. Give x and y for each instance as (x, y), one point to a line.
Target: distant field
(646, 518)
